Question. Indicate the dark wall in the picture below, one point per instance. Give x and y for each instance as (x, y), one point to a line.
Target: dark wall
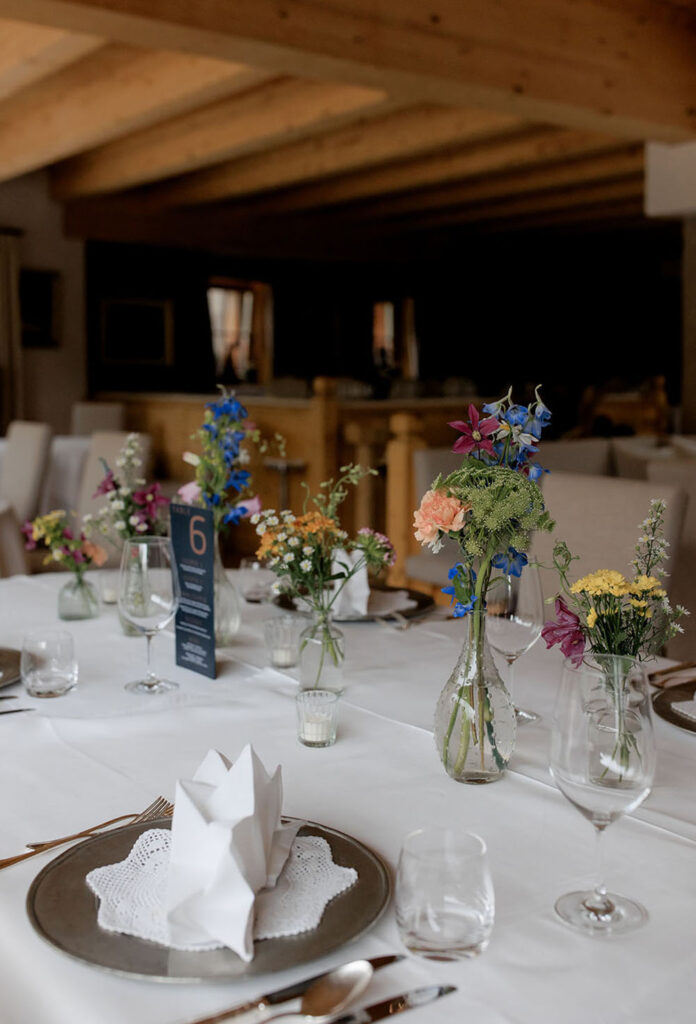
(569, 309)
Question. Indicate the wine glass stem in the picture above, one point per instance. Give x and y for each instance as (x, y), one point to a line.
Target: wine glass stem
(150, 678)
(599, 904)
(511, 676)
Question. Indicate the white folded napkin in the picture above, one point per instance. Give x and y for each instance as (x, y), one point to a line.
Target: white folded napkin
(353, 598)
(385, 602)
(228, 843)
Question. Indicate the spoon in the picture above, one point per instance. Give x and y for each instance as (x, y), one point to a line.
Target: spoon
(321, 1001)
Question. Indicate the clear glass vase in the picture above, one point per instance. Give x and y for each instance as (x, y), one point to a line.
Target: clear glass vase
(475, 725)
(228, 615)
(322, 650)
(78, 599)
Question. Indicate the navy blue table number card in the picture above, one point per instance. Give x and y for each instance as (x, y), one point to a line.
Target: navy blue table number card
(193, 545)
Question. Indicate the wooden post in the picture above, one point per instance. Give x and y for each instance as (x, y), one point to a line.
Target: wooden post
(324, 429)
(401, 497)
(368, 442)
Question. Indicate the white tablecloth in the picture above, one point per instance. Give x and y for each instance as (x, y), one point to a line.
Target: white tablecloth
(100, 752)
(61, 484)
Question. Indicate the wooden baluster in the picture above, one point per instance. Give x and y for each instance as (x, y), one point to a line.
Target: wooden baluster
(324, 439)
(401, 498)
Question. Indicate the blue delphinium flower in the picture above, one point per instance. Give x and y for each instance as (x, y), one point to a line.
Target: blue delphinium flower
(511, 562)
(535, 471)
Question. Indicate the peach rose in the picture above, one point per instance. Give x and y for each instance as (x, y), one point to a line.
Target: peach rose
(438, 512)
(94, 552)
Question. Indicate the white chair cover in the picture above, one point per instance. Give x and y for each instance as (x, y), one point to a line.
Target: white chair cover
(24, 466)
(13, 560)
(86, 417)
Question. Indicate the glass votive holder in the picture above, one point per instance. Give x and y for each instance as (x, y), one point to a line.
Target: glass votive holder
(317, 716)
(255, 581)
(48, 663)
(445, 904)
(282, 635)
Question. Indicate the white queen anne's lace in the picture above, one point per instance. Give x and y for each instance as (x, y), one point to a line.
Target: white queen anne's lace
(132, 893)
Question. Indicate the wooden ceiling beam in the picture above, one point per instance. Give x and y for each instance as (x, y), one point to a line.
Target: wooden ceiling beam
(403, 133)
(277, 112)
(622, 67)
(109, 93)
(512, 152)
(486, 188)
(29, 53)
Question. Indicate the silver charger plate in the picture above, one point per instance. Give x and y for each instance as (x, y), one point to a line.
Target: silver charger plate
(9, 666)
(63, 910)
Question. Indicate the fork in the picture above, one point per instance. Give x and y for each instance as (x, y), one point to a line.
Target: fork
(159, 808)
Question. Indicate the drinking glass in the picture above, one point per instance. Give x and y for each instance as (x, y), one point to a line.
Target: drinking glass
(148, 597)
(603, 761)
(48, 663)
(514, 620)
(317, 716)
(255, 581)
(445, 905)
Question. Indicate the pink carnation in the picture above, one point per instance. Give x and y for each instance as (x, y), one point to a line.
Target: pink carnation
(252, 506)
(438, 512)
(189, 493)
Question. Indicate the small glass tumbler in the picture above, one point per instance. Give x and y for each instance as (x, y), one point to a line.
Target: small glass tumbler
(48, 663)
(283, 640)
(317, 715)
(445, 905)
(255, 581)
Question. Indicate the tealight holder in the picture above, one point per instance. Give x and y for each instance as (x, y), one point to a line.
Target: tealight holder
(317, 716)
(283, 640)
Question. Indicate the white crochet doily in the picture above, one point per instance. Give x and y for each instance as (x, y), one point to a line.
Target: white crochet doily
(133, 892)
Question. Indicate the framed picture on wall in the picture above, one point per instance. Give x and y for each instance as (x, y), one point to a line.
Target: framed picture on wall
(137, 331)
(39, 304)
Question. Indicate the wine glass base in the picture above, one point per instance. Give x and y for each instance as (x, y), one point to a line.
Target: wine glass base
(524, 716)
(156, 686)
(623, 915)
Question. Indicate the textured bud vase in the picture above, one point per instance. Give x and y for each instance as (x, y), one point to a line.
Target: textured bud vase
(228, 615)
(322, 650)
(475, 725)
(78, 599)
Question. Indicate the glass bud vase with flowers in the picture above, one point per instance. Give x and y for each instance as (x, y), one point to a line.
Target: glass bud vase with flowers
(224, 486)
(132, 508)
(314, 559)
(607, 625)
(78, 598)
(489, 508)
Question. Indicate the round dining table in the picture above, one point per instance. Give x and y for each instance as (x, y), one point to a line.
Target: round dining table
(101, 751)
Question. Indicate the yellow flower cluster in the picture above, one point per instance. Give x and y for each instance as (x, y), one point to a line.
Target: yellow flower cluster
(44, 525)
(610, 583)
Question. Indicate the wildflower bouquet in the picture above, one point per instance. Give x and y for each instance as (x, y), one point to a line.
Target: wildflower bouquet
(133, 508)
(222, 483)
(489, 507)
(608, 614)
(314, 558)
(74, 552)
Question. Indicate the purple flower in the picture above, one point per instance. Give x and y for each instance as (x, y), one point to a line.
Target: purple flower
(107, 484)
(567, 632)
(28, 531)
(476, 434)
(150, 498)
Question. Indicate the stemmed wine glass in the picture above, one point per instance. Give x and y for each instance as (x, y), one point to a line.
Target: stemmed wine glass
(603, 761)
(514, 620)
(148, 597)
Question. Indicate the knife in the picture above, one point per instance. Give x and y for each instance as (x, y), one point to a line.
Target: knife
(15, 711)
(284, 995)
(8, 696)
(406, 1001)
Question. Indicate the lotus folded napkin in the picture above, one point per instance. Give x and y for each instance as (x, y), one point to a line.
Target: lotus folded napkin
(355, 594)
(228, 843)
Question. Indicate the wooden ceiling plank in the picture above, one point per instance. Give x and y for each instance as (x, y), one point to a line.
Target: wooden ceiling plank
(625, 68)
(514, 152)
(617, 164)
(29, 53)
(403, 133)
(107, 94)
(276, 112)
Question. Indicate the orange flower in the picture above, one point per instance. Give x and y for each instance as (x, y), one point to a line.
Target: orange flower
(94, 552)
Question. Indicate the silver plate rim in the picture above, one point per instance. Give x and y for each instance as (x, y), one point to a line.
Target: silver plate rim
(379, 864)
